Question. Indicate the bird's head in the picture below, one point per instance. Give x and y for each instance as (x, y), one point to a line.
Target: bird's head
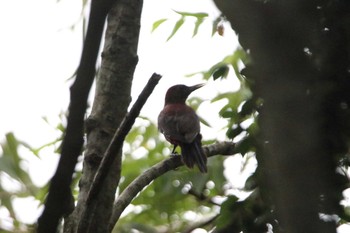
(179, 93)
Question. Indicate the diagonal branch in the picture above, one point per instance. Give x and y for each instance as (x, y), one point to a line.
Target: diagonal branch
(112, 150)
(125, 198)
(119, 136)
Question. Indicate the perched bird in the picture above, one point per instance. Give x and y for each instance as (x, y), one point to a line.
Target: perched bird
(180, 125)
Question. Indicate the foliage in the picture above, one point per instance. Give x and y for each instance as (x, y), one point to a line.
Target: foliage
(199, 17)
(13, 172)
(248, 215)
(15, 181)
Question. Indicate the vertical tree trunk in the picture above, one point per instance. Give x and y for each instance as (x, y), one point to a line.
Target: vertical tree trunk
(294, 46)
(112, 97)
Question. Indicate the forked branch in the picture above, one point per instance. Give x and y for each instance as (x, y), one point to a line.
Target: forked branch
(112, 150)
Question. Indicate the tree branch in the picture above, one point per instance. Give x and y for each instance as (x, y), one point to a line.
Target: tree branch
(110, 105)
(112, 150)
(59, 200)
(125, 198)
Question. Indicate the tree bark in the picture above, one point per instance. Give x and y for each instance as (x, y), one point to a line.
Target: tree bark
(112, 98)
(299, 69)
(60, 201)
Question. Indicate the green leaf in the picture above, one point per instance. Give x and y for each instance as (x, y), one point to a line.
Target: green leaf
(157, 24)
(221, 71)
(210, 72)
(227, 208)
(253, 128)
(204, 122)
(40, 195)
(197, 15)
(248, 107)
(238, 56)
(200, 18)
(233, 132)
(178, 24)
(245, 145)
(36, 151)
(196, 26)
(228, 113)
(10, 163)
(234, 98)
(216, 174)
(251, 183)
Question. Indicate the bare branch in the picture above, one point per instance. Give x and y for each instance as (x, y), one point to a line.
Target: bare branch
(125, 198)
(113, 148)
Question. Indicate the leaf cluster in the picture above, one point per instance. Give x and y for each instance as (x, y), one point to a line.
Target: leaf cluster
(249, 215)
(199, 20)
(15, 181)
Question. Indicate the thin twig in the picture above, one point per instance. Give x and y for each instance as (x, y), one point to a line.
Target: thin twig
(112, 150)
(125, 198)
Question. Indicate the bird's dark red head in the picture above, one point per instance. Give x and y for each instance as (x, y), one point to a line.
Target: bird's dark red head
(179, 93)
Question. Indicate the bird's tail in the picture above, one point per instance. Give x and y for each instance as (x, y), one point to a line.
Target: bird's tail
(192, 153)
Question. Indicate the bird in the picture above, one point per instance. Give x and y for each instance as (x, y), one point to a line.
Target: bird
(180, 126)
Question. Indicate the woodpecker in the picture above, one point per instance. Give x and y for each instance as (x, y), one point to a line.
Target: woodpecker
(180, 125)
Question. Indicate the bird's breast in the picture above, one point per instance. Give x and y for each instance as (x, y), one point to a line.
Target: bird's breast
(178, 122)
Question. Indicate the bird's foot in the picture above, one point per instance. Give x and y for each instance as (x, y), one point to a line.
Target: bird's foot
(174, 153)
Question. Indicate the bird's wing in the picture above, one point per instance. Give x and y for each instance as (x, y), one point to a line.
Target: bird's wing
(179, 124)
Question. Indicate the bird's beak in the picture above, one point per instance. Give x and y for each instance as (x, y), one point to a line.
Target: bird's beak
(195, 87)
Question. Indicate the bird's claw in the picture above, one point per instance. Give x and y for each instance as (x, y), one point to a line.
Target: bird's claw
(174, 154)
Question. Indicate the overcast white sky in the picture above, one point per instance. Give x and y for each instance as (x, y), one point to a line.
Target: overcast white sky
(39, 51)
